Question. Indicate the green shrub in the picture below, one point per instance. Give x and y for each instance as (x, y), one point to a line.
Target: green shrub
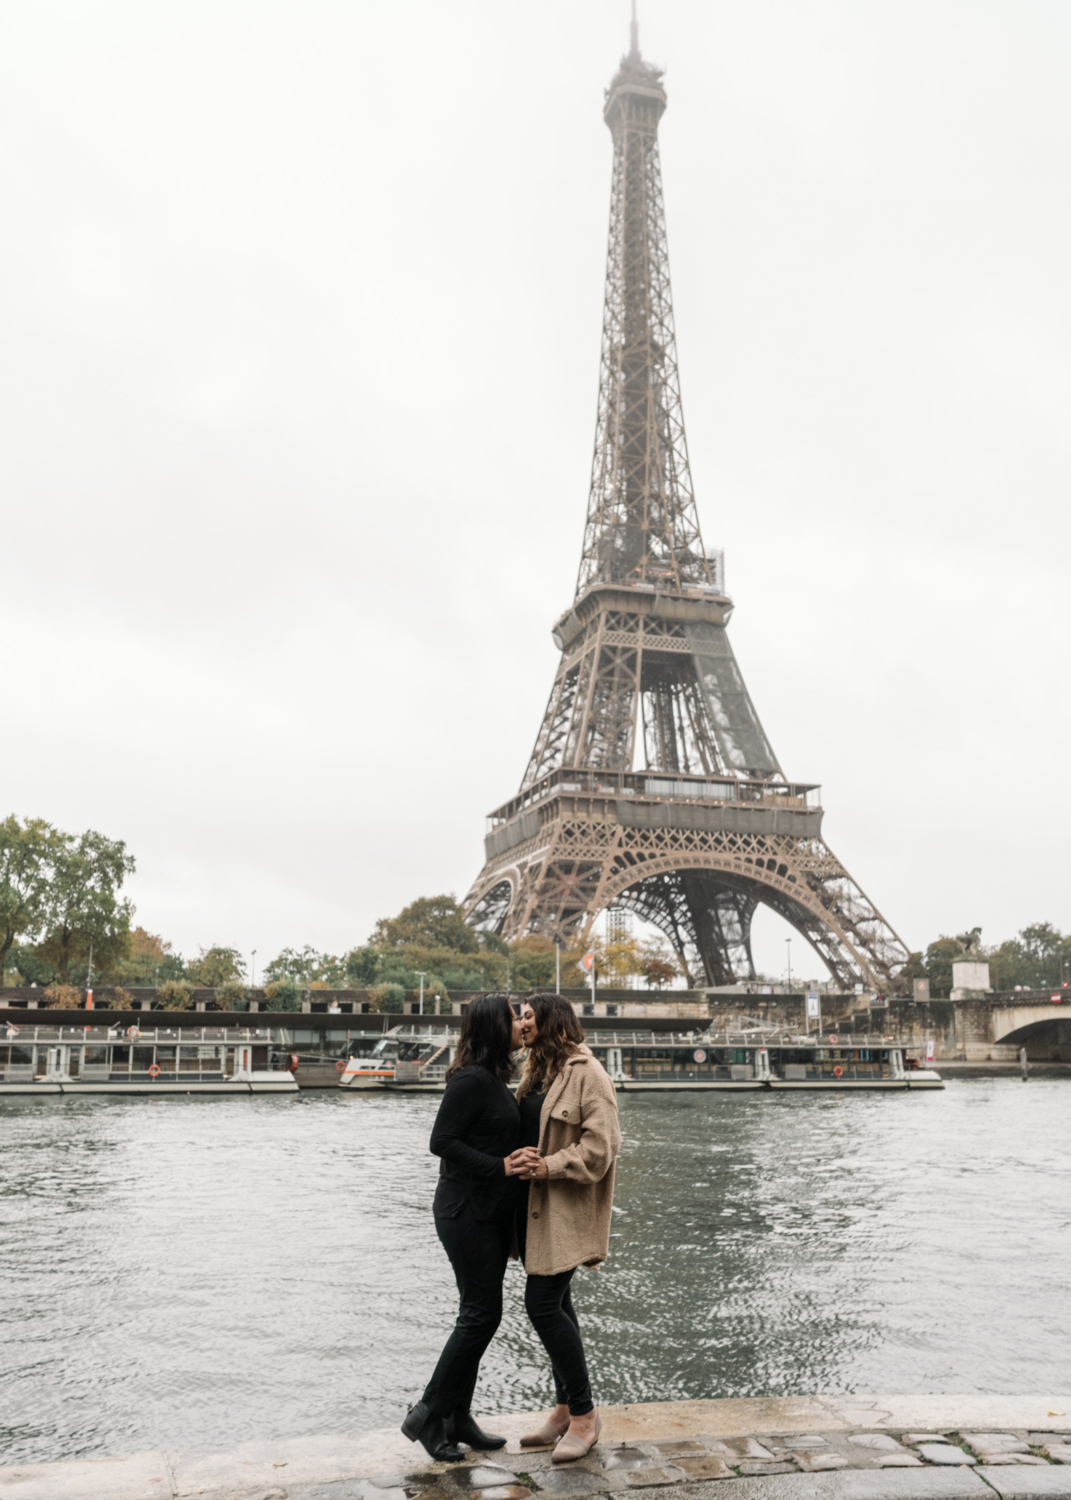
(232, 995)
(387, 997)
(174, 994)
(283, 994)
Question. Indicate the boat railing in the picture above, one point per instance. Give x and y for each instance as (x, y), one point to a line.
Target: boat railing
(839, 1039)
(101, 1036)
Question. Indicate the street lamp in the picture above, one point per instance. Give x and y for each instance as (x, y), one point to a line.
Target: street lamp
(421, 972)
(253, 971)
(788, 945)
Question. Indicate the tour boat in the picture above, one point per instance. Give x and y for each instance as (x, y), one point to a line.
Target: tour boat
(409, 1063)
(157, 1061)
(751, 1060)
(757, 1059)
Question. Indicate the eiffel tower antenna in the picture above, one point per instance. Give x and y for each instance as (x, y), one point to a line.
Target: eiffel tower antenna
(652, 785)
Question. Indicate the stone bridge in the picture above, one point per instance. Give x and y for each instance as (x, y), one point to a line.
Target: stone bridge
(992, 1029)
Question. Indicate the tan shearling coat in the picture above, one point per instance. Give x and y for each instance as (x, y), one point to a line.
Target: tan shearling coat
(579, 1135)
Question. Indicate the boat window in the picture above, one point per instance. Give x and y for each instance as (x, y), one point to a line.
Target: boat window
(228, 1063)
(18, 1057)
(74, 1062)
(120, 1059)
(141, 1059)
(97, 1057)
(166, 1058)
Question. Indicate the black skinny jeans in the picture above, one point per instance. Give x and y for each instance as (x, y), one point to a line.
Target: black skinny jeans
(548, 1302)
(478, 1252)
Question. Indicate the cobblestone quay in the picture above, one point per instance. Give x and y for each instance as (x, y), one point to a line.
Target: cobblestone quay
(783, 1448)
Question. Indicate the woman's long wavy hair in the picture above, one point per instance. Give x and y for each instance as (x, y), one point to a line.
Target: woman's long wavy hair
(558, 1035)
(486, 1038)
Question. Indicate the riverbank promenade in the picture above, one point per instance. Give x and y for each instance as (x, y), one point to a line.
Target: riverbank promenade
(777, 1448)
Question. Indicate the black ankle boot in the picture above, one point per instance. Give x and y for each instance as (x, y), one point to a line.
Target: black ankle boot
(421, 1427)
(462, 1428)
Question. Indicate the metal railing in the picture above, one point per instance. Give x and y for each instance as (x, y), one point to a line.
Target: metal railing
(101, 1036)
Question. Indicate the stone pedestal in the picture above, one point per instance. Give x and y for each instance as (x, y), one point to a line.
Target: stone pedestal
(970, 978)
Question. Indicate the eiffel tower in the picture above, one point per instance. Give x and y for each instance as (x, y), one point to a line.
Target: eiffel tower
(652, 785)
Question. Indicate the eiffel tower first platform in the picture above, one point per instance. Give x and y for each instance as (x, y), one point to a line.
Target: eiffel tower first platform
(652, 784)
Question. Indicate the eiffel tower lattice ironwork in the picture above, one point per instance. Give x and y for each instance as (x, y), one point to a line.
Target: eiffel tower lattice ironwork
(652, 784)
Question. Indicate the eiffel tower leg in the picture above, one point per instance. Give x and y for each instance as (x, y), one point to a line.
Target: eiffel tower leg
(700, 888)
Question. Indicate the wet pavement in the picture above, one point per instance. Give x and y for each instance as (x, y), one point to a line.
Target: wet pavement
(778, 1448)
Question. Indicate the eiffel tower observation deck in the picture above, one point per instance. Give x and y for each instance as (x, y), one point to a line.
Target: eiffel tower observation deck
(652, 784)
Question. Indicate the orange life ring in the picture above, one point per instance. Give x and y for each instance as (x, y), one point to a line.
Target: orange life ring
(340, 1066)
(292, 1065)
(133, 1032)
(154, 1071)
(838, 1071)
(833, 1040)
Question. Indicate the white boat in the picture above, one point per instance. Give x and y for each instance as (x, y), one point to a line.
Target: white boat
(753, 1059)
(156, 1061)
(408, 1062)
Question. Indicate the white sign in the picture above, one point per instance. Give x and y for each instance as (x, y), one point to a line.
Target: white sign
(930, 1044)
(812, 1007)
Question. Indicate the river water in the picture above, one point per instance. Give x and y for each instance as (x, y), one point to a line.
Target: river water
(198, 1272)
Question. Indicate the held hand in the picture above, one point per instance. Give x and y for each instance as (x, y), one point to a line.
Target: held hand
(528, 1164)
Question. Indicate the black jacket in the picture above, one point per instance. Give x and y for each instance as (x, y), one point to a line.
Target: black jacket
(477, 1127)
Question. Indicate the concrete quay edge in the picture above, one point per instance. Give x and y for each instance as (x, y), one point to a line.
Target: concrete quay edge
(333, 1467)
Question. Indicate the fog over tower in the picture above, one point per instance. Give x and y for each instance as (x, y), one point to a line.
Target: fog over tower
(652, 783)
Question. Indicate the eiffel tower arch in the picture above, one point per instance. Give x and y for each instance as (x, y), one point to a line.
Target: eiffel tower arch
(652, 784)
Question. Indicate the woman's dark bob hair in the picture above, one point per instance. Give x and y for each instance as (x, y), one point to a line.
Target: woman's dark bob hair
(486, 1037)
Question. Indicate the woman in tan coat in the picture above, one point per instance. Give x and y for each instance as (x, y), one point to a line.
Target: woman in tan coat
(570, 1139)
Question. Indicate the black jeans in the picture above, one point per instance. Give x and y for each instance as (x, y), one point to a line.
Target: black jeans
(549, 1304)
(478, 1252)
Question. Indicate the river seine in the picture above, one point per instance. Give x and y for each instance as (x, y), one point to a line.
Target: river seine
(199, 1272)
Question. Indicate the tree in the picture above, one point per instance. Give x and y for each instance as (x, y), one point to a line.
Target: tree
(174, 994)
(387, 997)
(622, 959)
(939, 958)
(532, 962)
(360, 966)
(81, 906)
(28, 967)
(309, 966)
(657, 964)
(214, 966)
(283, 994)
(27, 853)
(431, 922)
(149, 961)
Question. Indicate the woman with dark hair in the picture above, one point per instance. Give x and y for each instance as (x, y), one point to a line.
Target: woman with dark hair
(475, 1133)
(570, 1139)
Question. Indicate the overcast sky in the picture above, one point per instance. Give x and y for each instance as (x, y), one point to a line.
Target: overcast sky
(301, 313)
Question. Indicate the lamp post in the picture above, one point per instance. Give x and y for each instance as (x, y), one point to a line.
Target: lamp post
(788, 945)
(557, 965)
(253, 970)
(421, 972)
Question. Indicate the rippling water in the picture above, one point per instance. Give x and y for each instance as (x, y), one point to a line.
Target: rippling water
(204, 1271)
